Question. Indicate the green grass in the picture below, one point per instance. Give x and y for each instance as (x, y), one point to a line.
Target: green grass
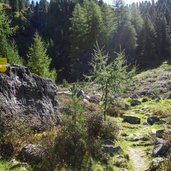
(5, 166)
(149, 108)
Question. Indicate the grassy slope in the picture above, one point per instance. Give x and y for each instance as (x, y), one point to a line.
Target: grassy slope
(161, 108)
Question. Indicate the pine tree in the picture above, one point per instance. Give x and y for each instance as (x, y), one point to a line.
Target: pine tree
(38, 60)
(109, 25)
(125, 36)
(136, 18)
(7, 48)
(147, 43)
(86, 28)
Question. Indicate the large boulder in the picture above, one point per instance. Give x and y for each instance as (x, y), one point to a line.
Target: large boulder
(26, 96)
(153, 119)
(135, 102)
(160, 150)
(110, 149)
(131, 119)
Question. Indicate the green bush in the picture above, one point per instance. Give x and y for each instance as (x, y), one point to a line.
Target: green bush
(98, 128)
(70, 145)
(14, 136)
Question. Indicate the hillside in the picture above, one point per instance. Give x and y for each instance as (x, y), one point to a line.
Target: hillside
(72, 97)
(141, 124)
(70, 29)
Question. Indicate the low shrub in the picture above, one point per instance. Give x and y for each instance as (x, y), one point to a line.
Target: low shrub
(14, 137)
(98, 128)
(70, 145)
(115, 111)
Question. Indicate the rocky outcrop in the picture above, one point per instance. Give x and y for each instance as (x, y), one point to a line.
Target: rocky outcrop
(26, 96)
(153, 83)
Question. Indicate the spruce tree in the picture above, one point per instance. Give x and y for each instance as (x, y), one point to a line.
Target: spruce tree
(7, 49)
(38, 60)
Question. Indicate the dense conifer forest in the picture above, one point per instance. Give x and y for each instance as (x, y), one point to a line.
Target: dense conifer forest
(70, 28)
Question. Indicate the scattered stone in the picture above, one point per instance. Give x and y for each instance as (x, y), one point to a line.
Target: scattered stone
(66, 93)
(134, 96)
(94, 99)
(151, 95)
(15, 164)
(32, 153)
(131, 119)
(86, 102)
(160, 141)
(160, 150)
(135, 102)
(157, 161)
(81, 93)
(108, 142)
(168, 131)
(153, 119)
(123, 169)
(110, 149)
(159, 133)
(146, 124)
(153, 131)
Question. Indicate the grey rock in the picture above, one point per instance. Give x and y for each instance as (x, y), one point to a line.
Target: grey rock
(110, 149)
(29, 97)
(135, 102)
(160, 150)
(151, 95)
(157, 161)
(14, 164)
(159, 133)
(123, 169)
(134, 96)
(160, 141)
(167, 132)
(81, 93)
(146, 124)
(66, 93)
(169, 96)
(95, 98)
(153, 119)
(131, 119)
(108, 142)
(32, 153)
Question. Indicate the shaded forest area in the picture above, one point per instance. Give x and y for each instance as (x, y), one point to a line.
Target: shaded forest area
(70, 28)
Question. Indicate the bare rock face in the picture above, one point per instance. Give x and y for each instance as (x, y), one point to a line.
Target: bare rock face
(26, 96)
